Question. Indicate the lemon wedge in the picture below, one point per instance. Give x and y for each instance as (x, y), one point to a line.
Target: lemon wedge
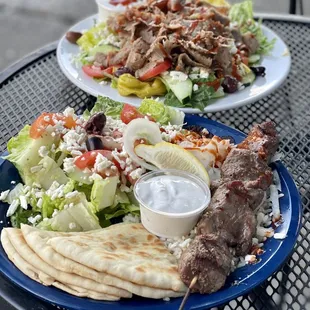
(218, 3)
(166, 155)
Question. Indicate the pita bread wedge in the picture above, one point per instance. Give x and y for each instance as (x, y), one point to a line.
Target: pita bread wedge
(126, 251)
(18, 242)
(38, 240)
(43, 278)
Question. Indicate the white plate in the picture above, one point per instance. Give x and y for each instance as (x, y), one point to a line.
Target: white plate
(277, 68)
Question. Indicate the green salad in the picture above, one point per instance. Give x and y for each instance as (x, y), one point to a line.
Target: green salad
(209, 52)
(75, 172)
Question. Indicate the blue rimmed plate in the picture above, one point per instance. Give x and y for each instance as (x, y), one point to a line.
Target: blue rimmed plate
(248, 277)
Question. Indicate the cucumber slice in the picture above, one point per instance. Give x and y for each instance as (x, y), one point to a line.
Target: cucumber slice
(105, 49)
(181, 89)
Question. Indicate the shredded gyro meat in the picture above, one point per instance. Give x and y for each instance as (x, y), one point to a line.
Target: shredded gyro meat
(189, 34)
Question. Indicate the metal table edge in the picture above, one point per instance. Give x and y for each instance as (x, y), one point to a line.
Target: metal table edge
(25, 61)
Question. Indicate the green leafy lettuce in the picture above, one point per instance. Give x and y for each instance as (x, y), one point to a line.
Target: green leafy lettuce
(200, 98)
(106, 105)
(23, 152)
(242, 14)
(161, 113)
(92, 37)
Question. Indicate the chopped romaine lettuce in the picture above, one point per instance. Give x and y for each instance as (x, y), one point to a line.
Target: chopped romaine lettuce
(24, 155)
(49, 173)
(75, 214)
(242, 14)
(103, 192)
(92, 37)
(108, 106)
(161, 113)
(200, 97)
(121, 209)
(21, 217)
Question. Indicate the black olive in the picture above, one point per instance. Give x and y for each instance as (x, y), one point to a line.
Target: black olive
(230, 84)
(73, 36)
(94, 143)
(259, 71)
(123, 70)
(200, 130)
(96, 124)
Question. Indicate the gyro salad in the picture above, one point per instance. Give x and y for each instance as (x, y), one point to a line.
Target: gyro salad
(188, 51)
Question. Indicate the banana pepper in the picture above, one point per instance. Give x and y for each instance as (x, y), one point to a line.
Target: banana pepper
(129, 85)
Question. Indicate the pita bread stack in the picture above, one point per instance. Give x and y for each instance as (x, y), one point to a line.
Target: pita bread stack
(106, 264)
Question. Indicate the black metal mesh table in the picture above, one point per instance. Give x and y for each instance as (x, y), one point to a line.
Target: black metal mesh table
(36, 84)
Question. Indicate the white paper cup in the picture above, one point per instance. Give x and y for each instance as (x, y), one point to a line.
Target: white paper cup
(105, 9)
(169, 225)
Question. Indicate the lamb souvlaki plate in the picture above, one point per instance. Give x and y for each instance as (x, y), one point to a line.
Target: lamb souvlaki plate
(195, 56)
(123, 202)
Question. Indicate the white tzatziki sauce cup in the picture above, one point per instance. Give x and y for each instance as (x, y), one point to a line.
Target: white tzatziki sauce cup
(171, 201)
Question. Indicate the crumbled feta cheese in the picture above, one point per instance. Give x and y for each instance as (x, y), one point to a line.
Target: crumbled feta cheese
(279, 236)
(68, 165)
(43, 151)
(74, 140)
(69, 112)
(71, 194)
(71, 205)
(129, 218)
(101, 163)
(72, 225)
(39, 203)
(95, 176)
(55, 213)
(136, 174)
(124, 188)
(195, 87)
(77, 153)
(4, 194)
(13, 182)
(178, 75)
(39, 194)
(23, 202)
(12, 208)
(103, 82)
(33, 220)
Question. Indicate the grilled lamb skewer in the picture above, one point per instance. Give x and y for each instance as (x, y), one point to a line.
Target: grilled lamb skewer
(229, 223)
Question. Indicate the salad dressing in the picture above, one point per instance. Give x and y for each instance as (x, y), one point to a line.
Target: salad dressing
(171, 194)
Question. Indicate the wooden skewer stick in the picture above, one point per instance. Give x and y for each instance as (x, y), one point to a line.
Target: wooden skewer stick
(188, 292)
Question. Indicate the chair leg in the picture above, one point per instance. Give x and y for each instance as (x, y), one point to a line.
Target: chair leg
(292, 7)
(301, 5)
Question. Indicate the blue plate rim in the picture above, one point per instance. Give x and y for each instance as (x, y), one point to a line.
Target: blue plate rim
(285, 249)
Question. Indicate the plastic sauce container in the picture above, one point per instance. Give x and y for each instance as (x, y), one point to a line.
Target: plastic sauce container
(105, 9)
(171, 201)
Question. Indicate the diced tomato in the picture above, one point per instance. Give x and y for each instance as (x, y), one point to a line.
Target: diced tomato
(129, 113)
(244, 59)
(87, 160)
(235, 73)
(111, 70)
(38, 127)
(162, 67)
(93, 71)
(215, 84)
(122, 2)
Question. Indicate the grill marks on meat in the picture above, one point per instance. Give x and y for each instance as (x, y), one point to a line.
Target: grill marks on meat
(229, 223)
(230, 216)
(248, 167)
(209, 258)
(171, 28)
(262, 140)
